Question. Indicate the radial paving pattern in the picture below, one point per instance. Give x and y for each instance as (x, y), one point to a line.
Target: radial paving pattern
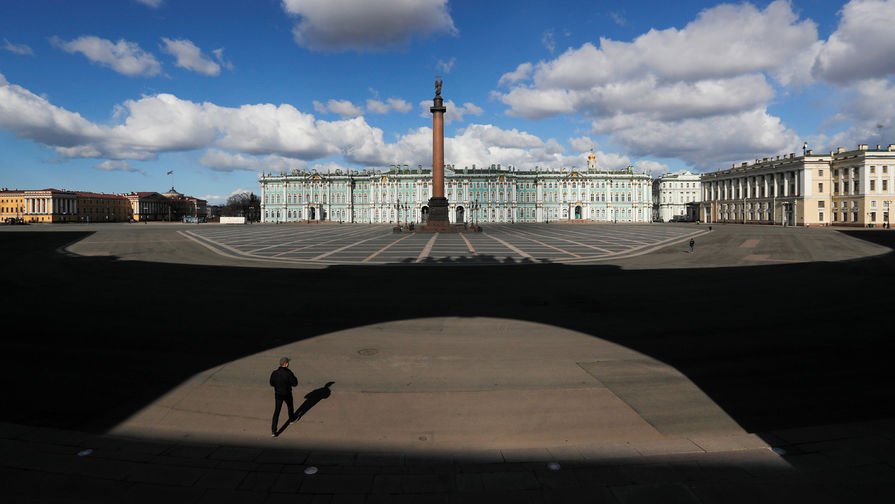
(507, 243)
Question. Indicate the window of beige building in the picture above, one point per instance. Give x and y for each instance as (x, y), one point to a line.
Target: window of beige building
(872, 185)
(820, 187)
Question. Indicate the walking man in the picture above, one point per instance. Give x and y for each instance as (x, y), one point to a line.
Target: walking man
(282, 380)
(692, 242)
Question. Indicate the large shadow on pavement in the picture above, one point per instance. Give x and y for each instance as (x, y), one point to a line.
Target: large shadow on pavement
(90, 341)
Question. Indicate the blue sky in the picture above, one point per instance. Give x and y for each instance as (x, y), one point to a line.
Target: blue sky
(111, 95)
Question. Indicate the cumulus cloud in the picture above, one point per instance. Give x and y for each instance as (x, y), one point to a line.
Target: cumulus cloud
(522, 72)
(22, 49)
(151, 3)
(339, 25)
(110, 165)
(342, 107)
(124, 57)
(863, 44)
(665, 93)
(654, 168)
(262, 137)
(454, 113)
(219, 160)
(380, 107)
(707, 142)
(189, 56)
(583, 144)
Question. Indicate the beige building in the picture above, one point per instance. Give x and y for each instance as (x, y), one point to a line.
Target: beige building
(50, 205)
(862, 192)
(841, 188)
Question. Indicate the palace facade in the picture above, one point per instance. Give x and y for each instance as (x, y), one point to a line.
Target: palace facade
(494, 194)
(674, 195)
(849, 188)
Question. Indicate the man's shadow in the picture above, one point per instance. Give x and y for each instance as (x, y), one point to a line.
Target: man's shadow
(311, 399)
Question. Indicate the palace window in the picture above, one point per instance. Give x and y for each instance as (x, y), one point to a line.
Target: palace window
(820, 187)
(872, 185)
(885, 185)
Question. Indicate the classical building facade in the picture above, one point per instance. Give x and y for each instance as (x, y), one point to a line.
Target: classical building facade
(494, 194)
(673, 195)
(102, 207)
(55, 205)
(841, 188)
(172, 205)
(12, 204)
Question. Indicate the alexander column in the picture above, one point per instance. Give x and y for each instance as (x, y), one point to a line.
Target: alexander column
(438, 205)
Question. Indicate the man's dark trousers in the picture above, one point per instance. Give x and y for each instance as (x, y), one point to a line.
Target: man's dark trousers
(282, 380)
(280, 399)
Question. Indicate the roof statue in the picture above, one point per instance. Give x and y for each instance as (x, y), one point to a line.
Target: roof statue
(438, 83)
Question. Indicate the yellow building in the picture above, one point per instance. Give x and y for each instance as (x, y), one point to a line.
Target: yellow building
(12, 205)
(853, 188)
(101, 207)
(50, 205)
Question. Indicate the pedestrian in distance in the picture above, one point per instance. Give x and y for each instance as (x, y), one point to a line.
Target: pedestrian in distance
(282, 380)
(692, 243)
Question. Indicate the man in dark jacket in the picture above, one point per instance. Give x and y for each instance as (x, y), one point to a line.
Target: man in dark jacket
(282, 380)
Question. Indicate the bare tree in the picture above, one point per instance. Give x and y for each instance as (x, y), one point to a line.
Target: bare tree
(244, 204)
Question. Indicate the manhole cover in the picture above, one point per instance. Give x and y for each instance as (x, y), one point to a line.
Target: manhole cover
(368, 351)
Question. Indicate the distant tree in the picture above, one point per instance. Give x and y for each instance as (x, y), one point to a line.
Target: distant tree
(244, 204)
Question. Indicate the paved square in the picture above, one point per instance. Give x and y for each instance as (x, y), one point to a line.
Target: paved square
(499, 243)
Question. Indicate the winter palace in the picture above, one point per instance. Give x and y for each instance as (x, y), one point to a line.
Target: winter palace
(493, 194)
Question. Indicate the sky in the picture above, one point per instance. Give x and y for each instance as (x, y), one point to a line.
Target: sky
(112, 95)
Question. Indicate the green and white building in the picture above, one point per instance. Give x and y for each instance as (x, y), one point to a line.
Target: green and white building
(493, 194)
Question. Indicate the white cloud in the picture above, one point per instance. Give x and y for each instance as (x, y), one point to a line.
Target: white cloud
(219, 160)
(380, 107)
(522, 72)
(863, 44)
(618, 18)
(22, 49)
(262, 137)
(110, 165)
(654, 168)
(583, 144)
(445, 66)
(189, 56)
(342, 107)
(339, 25)
(124, 57)
(548, 41)
(454, 113)
(151, 3)
(707, 142)
(219, 55)
(677, 92)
